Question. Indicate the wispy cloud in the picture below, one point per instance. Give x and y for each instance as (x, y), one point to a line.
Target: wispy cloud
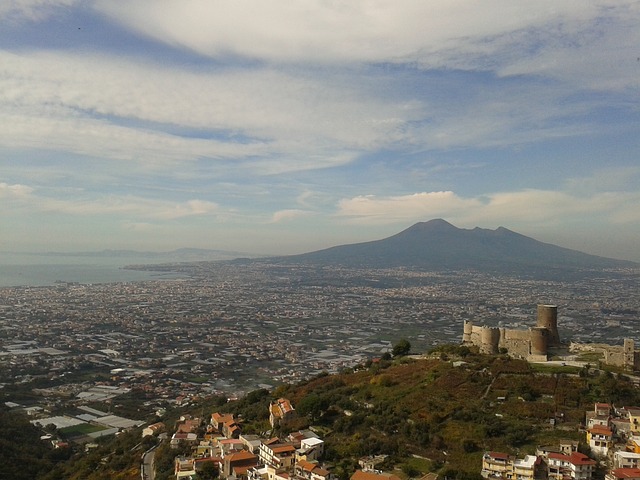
(14, 191)
(32, 10)
(373, 113)
(290, 214)
(526, 207)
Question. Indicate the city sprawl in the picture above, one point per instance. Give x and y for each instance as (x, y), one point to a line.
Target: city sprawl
(231, 328)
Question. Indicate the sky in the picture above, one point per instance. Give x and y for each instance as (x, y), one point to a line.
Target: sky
(287, 126)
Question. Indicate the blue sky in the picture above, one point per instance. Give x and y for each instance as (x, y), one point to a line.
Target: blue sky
(287, 126)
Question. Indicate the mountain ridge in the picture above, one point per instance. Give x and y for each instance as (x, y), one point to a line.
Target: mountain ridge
(437, 244)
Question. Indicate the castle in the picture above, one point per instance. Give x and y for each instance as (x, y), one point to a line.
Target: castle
(532, 344)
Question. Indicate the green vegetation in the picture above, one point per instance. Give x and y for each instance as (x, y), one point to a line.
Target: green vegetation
(403, 347)
(425, 415)
(81, 429)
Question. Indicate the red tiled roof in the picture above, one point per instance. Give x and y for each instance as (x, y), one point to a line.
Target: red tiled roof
(626, 473)
(578, 458)
(361, 475)
(283, 448)
(503, 456)
(243, 455)
(600, 430)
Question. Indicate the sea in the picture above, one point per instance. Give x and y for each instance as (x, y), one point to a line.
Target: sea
(23, 269)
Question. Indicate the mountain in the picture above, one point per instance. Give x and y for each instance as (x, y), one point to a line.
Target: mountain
(438, 245)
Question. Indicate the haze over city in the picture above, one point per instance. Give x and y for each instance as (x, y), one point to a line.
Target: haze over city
(285, 127)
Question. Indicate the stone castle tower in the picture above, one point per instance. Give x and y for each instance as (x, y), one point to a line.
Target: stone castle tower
(533, 343)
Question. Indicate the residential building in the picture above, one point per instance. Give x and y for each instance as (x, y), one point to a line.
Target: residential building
(153, 429)
(238, 464)
(184, 467)
(496, 464)
(281, 411)
(626, 460)
(575, 466)
(623, 474)
(278, 455)
(362, 475)
(527, 468)
(311, 471)
(634, 419)
(600, 439)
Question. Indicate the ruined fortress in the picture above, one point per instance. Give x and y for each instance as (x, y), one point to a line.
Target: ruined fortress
(534, 344)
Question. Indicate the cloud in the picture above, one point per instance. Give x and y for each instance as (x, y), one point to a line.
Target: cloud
(122, 109)
(374, 30)
(32, 10)
(527, 207)
(375, 210)
(546, 37)
(607, 179)
(286, 215)
(15, 191)
(123, 206)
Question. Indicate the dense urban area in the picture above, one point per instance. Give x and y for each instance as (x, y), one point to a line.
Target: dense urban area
(94, 360)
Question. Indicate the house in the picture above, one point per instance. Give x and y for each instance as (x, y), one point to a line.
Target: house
(278, 455)
(602, 409)
(229, 446)
(496, 464)
(362, 475)
(575, 466)
(177, 438)
(153, 429)
(238, 464)
(600, 439)
(601, 415)
(251, 442)
(623, 474)
(311, 448)
(184, 467)
(188, 425)
(280, 411)
(565, 447)
(204, 449)
(311, 471)
(219, 419)
(626, 460)
(231, 429)
(634, 419)
(527, 468)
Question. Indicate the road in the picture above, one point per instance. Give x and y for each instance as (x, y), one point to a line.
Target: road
(147, 468)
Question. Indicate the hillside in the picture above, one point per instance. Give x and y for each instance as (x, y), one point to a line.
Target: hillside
(426, 415)
(430, 415)
(438, 245)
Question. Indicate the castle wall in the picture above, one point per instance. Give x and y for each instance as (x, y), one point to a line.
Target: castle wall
(533, 342)
(617, 355)
(517, 342)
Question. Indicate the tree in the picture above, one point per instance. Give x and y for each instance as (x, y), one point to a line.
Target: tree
(313, 405)
(403, 347)
(208, 471)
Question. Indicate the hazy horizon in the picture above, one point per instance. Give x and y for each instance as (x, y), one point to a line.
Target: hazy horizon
(269, 128)
(128, 256)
